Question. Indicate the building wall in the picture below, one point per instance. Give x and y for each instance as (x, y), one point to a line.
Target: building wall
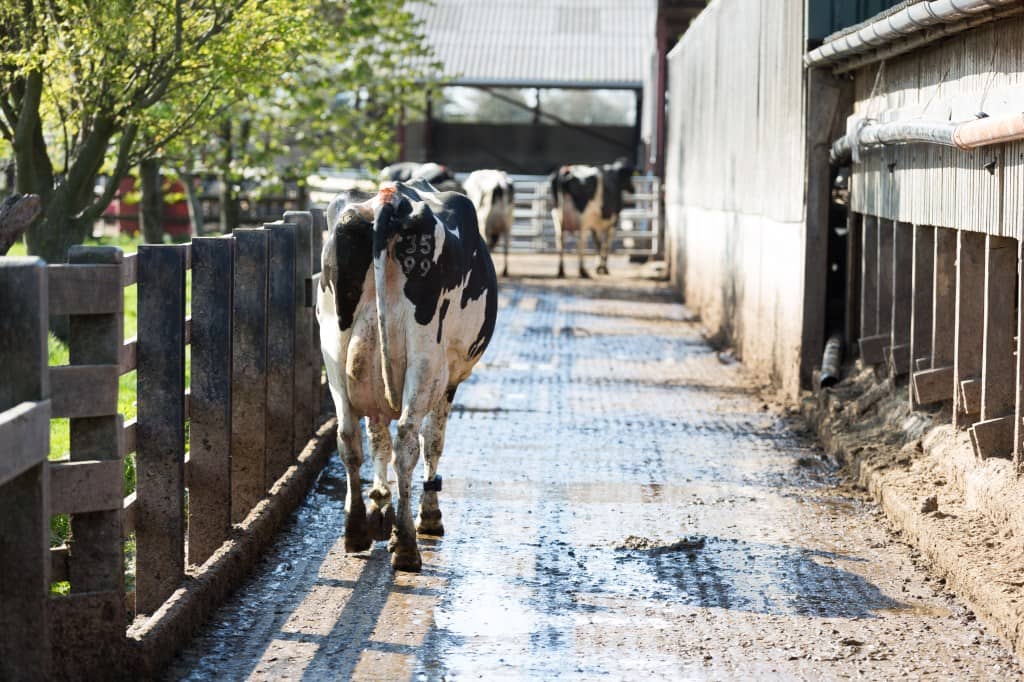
(981, 70)
(735, 179)
(518, 148)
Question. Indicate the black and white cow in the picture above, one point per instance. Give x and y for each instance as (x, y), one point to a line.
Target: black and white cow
(438, 175)
(588, 199)
(407, 305)
(493, 194)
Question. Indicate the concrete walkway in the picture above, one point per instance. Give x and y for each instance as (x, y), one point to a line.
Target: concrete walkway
(618, 502)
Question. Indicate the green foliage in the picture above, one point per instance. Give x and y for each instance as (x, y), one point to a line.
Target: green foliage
(362, 64)
(89, 87)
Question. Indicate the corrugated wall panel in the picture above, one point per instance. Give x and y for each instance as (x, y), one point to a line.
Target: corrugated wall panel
(981, 190)
(735, 177)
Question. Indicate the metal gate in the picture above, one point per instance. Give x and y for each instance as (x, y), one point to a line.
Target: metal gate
(640, 231)
(640, 225)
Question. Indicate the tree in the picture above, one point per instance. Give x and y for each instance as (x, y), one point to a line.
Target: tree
(363, 63)
(92, 86)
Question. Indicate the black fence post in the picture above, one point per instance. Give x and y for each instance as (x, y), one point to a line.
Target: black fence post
(24, 477)
(280, 351)
(306, 345)
(317, 359)
(209, 492)
(249, 371)
(160, 448)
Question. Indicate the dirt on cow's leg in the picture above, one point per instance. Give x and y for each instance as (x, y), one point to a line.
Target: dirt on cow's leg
(380, 514)
(604, 246)
(429, 520)
(508, 238)
(350, 447)
(559, 241)
(581, 247)
(405, 554)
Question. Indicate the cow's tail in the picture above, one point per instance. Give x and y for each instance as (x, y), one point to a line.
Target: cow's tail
(383, 227)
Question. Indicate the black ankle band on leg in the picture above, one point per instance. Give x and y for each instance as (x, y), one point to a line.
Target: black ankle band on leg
(433, 485)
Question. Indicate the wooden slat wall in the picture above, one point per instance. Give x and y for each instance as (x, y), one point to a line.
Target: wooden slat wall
(740, 148)
(932, 185)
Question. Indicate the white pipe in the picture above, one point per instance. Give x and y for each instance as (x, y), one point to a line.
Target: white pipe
(906, 22)
(980, 132)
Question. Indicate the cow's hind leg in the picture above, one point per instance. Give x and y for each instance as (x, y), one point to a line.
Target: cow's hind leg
(432, 440)
(559, 240)
(604, 249)
(380, 515)
(350, 447)
(581, 247)
(508, 238)
(405, 553)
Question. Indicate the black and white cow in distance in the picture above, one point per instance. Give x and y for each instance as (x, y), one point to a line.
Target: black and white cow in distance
(493, 194)
(407, 305)
(588, 199)
(438, 175)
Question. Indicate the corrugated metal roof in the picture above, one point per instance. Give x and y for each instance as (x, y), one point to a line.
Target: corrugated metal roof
(554, 43)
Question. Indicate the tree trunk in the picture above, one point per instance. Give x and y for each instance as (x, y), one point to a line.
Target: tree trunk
(228, 196)
(16, 214)
(57, 231)
(152, 204)
(229, 210)
(195, 202)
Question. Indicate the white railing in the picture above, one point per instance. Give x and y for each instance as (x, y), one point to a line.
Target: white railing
(640, 231)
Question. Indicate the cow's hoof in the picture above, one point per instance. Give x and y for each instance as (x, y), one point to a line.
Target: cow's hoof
(407, 559)
(504, 273)
(430, 524)
(380, 521)
(584, 274)
(561, 274)
(357, 534)
(602, 270)
(357, 542)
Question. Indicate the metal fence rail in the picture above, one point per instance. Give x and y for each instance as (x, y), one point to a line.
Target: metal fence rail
(640, 231)
(640, 225)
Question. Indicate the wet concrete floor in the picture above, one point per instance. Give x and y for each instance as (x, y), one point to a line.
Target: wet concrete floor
(618, 502)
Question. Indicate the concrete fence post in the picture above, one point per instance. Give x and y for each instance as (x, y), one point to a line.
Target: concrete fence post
(89, 625)
(209, 493)
(24, 477)
(317, 360)
(160, 449)
(249, 371)
(970, 327)
(306, 346)
(921, 303)
(281, 359)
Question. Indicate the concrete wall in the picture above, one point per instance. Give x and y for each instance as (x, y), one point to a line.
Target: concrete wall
(735, 179)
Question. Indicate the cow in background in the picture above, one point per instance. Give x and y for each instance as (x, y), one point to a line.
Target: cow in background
(440, 176)
(588, 199)
(493, 194)
(407, 304)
